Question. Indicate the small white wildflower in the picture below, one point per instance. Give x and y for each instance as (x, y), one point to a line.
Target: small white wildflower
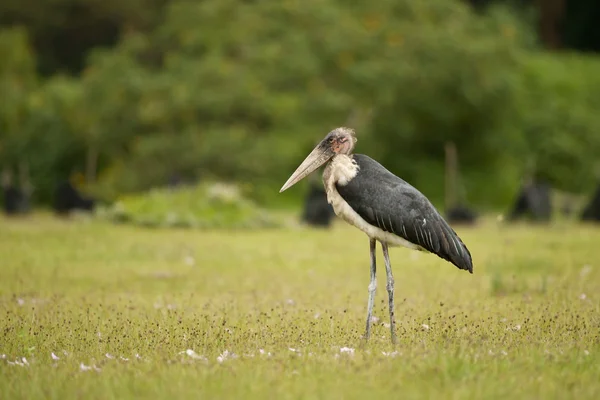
(2, 356)
(490, 352)
(20, 301)
(425, 327)
(263, 352)
(138, 356)
(348, 350)
(504, 353)
(374, 319)
(123, 358)
(54, 356)
(317, 315)
(65, 353)
(226, 355)
(390, 353)
(582, 296)
(109, 356)
(386, 325)
(292, 349)
(84, 367)
(192, 354)
(587, 353)
(290, 302)
(24, 360)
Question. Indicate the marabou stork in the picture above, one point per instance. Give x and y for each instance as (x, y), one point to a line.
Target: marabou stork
(385, 207)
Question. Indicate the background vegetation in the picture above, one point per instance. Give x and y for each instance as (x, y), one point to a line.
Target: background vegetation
(132, 93)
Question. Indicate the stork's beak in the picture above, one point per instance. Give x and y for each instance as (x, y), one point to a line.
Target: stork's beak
(319, 156)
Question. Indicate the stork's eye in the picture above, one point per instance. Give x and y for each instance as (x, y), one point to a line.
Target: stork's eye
(330, 140)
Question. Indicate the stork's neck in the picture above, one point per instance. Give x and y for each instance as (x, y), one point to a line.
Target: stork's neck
(340, 170)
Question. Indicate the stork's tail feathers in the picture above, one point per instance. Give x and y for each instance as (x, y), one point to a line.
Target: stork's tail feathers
(455, 251)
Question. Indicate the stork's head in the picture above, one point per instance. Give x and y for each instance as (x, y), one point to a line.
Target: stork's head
(338, 141)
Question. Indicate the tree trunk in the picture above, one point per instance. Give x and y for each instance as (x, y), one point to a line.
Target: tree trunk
(551, 13)
(26, 186)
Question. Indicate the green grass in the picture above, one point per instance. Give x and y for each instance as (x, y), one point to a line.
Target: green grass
(526, 324)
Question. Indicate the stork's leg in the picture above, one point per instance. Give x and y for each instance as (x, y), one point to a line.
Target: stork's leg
(390, 289)
(372, 287)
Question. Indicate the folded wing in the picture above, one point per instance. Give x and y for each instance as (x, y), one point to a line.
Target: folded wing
(393, 205)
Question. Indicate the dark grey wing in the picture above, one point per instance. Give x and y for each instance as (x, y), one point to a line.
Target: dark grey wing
(393, 205)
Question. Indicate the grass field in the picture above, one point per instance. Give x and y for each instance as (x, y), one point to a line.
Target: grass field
(94, 311)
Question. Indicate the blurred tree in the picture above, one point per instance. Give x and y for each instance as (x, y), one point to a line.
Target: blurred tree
(17, 80)
(453, 80)
(239, 90)
(561, 129)
(63, 32)
(560, 23)
(303, 68)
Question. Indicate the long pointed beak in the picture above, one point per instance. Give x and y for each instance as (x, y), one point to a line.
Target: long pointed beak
(319, 156)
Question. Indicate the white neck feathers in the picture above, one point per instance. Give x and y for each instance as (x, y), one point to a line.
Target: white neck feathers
(341, 170)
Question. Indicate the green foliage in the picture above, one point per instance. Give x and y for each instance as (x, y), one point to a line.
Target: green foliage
(454, 81)
(17, 80)
(64, 31)
(230, 101)
(557, 114)
(241, 91)
(209, 205)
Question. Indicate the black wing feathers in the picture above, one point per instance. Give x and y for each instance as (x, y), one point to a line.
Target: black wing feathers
(391, 204)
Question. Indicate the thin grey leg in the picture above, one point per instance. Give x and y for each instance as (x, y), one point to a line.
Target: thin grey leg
(372, 287)
(390, 289)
